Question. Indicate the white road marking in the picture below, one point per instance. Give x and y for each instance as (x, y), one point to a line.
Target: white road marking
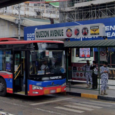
(50, 101)
(68, 109)
(13, 103)
(91, 106)
(90, 103)
(48, 111)
(103, 102)
(5, 113)
(78, 107)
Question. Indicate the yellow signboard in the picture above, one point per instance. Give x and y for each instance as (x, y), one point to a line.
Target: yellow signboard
(94, 30)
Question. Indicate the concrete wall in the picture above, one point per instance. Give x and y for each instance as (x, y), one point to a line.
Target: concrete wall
(8, 29)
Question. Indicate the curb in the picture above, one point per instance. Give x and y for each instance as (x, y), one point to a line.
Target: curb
(91, 96)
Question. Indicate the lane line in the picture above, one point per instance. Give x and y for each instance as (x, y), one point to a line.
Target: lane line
(48, 111)
(91, 106)
(90, 103)
(78, 107)
(49, 101)
(67, 109)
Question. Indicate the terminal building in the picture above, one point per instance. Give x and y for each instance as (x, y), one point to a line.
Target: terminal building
(81, 12)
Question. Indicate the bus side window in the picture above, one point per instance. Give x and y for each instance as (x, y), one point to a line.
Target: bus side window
(5, 60)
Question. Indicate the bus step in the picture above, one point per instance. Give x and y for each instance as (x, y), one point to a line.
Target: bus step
(20, 93)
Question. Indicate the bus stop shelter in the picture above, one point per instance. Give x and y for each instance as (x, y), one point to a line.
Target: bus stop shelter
(77, 87)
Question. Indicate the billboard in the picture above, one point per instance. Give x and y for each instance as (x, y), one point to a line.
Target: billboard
(84, 52)
(29, 32)
(78, 31)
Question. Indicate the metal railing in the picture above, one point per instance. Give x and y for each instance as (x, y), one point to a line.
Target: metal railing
(80, 84)
(80, 1)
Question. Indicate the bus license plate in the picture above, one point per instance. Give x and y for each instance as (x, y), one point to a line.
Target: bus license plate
(52, 91)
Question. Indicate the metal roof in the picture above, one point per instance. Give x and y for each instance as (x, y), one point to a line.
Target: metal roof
(91, 43)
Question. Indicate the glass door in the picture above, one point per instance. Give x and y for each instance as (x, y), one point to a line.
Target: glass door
(17, 71)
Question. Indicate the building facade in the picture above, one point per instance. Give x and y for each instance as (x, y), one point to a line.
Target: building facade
(34, 10)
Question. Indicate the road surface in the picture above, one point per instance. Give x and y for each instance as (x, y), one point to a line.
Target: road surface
(54, 105)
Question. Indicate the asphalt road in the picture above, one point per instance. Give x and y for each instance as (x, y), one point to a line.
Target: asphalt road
(54, 105)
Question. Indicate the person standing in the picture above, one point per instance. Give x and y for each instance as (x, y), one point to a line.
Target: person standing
(104, 71)
(88, 73)
(94, 75)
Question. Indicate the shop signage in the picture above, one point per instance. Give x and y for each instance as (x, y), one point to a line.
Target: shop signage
(78, 31)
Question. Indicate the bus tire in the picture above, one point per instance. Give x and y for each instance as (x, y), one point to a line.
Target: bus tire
(2, 87)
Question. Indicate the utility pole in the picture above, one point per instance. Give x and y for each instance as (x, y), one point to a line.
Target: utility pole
(19, 21)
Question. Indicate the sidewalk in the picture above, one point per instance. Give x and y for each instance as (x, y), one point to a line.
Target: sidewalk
(87, 93)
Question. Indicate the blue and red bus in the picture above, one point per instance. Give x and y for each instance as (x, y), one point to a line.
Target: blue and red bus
(32, 68)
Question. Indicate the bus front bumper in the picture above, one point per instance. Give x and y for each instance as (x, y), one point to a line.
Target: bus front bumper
(46, 90)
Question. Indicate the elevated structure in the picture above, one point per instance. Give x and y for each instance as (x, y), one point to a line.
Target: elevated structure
(5, 3)
(78, 10)
(9, 27)
(33, 10)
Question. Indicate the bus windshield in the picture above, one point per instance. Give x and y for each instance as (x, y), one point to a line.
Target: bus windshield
(47, 58)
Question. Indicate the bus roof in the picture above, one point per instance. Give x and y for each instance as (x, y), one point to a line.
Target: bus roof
(8, 39)
(29, 42)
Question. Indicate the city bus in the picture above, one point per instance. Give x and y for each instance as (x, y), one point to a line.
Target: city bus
(32, 68)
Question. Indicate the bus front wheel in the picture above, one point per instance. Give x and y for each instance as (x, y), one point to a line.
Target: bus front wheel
(2, 87)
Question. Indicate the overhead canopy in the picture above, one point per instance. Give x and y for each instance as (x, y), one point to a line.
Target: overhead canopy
(92, 43)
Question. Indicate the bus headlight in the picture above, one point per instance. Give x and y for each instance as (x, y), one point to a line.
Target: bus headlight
(63, 84)
(37, 87)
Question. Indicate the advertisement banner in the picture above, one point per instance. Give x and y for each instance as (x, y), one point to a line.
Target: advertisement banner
(29, 32)
(78, 74)
(94, 30)
(84, 52)
(79, 31)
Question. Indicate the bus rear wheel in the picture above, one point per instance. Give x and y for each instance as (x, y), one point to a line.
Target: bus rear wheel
(2, 87)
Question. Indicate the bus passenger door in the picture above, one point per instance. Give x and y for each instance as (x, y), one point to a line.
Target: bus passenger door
(19, 72)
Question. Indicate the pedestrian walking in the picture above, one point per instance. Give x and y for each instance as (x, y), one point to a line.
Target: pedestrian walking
(94, 75)
(88, 73)
(104, 71)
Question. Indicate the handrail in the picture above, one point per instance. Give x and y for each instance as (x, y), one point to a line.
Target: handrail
(17, 75)
(17, 68)
(30, 66)
(19, 71)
